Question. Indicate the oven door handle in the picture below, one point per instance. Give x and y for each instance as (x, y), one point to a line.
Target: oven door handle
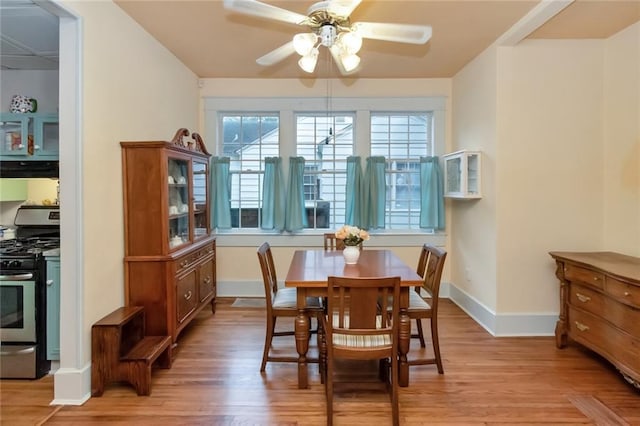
(19, 352)
(17, 277)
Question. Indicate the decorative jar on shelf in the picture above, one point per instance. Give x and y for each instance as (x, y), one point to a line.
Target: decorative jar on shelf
(351, 255)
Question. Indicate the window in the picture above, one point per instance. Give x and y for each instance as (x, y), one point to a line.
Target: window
(325, 141)
(402, 138)
(247, 140)
(325, 133)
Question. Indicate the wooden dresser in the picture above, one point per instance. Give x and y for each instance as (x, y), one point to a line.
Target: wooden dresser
(600, 306)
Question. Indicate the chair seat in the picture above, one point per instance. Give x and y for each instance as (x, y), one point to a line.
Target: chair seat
(416, 302)
(361, 341)
(286, 298)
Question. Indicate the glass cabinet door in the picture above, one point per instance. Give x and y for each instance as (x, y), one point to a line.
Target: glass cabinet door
(200, 207)
(454, 175)
(46, 136)
(178, 200)
(14, 134)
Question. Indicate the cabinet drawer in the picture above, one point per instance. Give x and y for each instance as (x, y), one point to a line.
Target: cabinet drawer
(185, 262)
(186, 298)
(587, 299)
(576, 273)
(620, 348)
(626, 292)
(206, 280)
(618, 314)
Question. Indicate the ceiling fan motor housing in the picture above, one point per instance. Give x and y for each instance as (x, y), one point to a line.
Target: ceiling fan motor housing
(328, 35)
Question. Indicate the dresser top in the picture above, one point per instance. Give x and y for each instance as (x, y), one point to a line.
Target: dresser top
(605, 261)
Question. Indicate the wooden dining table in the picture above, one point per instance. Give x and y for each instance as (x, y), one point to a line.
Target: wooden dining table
(308, 273)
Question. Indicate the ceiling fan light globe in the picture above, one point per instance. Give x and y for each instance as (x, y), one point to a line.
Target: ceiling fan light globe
(350, 62)
(351, 42)
(308, 62)
(304, 42)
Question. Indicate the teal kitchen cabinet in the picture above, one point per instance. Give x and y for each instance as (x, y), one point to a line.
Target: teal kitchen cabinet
(53, 303)
(29, 136)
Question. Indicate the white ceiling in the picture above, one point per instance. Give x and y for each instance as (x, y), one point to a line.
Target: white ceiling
(216, 43)
(29, 37)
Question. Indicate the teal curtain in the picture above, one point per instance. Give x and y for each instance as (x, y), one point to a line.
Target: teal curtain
(273, 195)
(220, 193)
(353, 214)
(375, 193)
(431, 194)
(296, 217)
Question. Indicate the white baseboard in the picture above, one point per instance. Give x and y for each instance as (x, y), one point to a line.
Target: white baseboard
(504, 325)
(72, 386)
(499, 325)
(240, 289)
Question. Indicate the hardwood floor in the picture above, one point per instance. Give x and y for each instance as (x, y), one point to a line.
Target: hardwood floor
(215, 380)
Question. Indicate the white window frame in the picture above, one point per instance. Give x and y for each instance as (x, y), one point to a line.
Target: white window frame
(287, 107)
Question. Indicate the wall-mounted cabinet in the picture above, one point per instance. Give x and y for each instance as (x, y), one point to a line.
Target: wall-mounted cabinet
(462, 174)
(29, 136)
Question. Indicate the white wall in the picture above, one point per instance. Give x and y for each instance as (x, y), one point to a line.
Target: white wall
(621, 137)
(132, 88)
(549, 168)
(561, 175)
(40, 85)
(473, 248)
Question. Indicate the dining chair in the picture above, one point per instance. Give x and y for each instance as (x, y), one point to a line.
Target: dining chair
(332, 243)
(430, 265)
(355, 330)
(281, 302)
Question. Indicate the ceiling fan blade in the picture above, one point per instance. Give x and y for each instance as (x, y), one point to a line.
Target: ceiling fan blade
(342, 8)
(277, 54)
(403, 33)
(263, 10)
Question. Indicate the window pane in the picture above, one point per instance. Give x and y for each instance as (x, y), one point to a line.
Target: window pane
(402, 139)
(325, 142)
(247, 140)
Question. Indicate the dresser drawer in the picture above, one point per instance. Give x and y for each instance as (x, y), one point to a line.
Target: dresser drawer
(184, 263)
(620, 348)
(186, 296)
(618, 314)
(576, 273)
(587, 299)
(206, 280)
(622, 291)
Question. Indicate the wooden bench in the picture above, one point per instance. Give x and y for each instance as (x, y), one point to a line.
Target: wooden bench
(120, 351)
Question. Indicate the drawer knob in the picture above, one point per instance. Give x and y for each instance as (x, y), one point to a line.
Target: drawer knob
(595, 278)
(627, 294)
(582, 297)
(581, 326)
(188, 295)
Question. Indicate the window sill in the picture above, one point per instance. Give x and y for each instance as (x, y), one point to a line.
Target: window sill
(388, 238)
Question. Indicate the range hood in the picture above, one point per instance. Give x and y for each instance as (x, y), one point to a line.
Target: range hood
(29, 169)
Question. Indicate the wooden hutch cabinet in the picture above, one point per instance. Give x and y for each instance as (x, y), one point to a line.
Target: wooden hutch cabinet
(170, 254)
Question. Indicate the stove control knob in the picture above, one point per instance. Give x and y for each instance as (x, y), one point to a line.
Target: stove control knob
(16, 263)
(5, 263)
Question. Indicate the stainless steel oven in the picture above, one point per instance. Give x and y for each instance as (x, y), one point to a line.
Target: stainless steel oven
(18, 307)
(23, 295)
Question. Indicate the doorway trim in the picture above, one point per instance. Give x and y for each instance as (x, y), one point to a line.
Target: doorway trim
(72, 381)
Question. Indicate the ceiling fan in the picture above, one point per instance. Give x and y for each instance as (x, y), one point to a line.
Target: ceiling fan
(330, 26)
